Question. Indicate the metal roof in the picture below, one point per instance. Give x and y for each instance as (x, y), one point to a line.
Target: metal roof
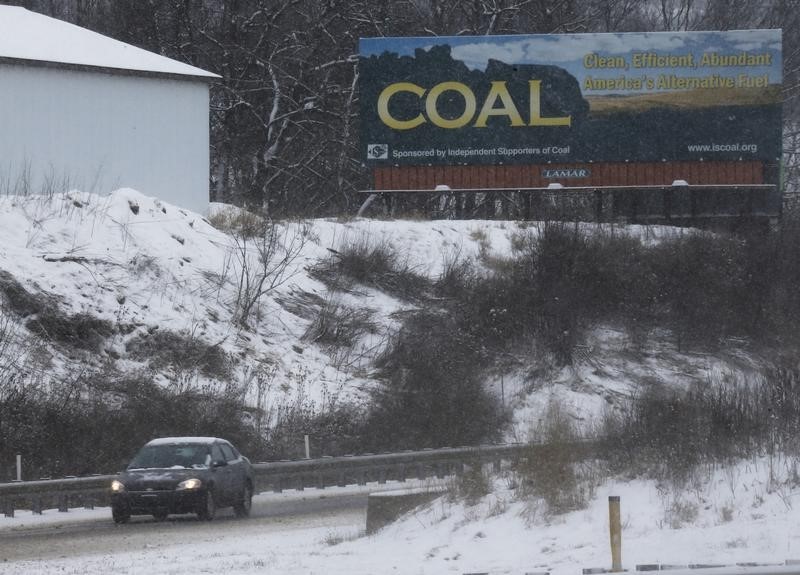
(27, 36)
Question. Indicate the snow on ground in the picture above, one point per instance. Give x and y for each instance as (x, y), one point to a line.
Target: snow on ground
(724, 517)
(738, 515)
(147, 265)
(613, 368)
(136, 261)
(131, 259)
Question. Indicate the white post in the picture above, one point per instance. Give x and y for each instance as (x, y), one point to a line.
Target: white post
(19, 467)
(308, 448)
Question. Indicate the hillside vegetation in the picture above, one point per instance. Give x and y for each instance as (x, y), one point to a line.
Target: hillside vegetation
(385, 353)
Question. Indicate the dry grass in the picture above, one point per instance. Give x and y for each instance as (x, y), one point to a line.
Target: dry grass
(238, 221)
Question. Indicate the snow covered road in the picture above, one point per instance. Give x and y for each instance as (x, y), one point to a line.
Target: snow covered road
(744, 514)
(99, 536)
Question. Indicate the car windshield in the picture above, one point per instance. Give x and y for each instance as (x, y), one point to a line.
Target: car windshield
(174, 455)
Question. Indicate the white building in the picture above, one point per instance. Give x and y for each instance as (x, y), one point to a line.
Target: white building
(84, 111)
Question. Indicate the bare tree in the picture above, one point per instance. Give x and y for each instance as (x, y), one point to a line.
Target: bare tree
(264, 262)
(616, 15)
(284, 116)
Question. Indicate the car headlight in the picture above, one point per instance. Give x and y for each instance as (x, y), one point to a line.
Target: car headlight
(190, 484)
(117, 486)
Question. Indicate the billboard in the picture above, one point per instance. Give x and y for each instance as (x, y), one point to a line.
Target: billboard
(532, 99)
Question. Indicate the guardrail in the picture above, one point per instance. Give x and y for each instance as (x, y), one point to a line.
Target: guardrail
(72, 492)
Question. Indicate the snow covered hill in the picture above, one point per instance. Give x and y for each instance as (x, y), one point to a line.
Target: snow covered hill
(128, 269)
(141, 266)
(105, 285)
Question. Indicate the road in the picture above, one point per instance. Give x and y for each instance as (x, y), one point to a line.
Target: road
(270, 513)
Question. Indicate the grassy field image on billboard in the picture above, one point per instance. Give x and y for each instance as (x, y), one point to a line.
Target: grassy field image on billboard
(662, 96)
(690, 99)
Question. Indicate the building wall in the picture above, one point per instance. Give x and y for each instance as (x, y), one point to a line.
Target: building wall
(97, 132)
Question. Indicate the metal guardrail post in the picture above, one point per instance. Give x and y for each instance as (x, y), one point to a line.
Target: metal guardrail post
(63, 502)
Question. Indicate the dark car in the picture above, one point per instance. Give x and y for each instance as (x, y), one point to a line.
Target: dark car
(183, 475)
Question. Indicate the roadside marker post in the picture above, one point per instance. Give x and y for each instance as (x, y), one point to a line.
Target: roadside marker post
(615, 529)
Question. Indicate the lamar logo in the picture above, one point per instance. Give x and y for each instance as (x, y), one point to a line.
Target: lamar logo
(567, 173)
(377, 151)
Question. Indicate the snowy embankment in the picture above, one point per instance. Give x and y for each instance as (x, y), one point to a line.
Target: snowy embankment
(145, 266)
(743, 514)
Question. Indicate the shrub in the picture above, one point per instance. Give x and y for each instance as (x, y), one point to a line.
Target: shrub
(71, 433)
(563, 280)
(182, 353)
(457, 275)
(337, 430)
(667, 433)
(472, 485)
(772, 277)
(699, 274)
(557, 284)
(681, 513)
(374, 264)
(80, 331)
(18, 299)
(339, 325)
(432, 394)
(661, 433)
(549, 469)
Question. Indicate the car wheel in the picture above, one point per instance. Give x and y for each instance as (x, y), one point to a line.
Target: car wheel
(160, 516)
(208, 508)
(120, 514)
(242, 508)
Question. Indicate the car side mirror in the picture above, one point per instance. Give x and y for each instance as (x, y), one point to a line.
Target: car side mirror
(219, 463)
